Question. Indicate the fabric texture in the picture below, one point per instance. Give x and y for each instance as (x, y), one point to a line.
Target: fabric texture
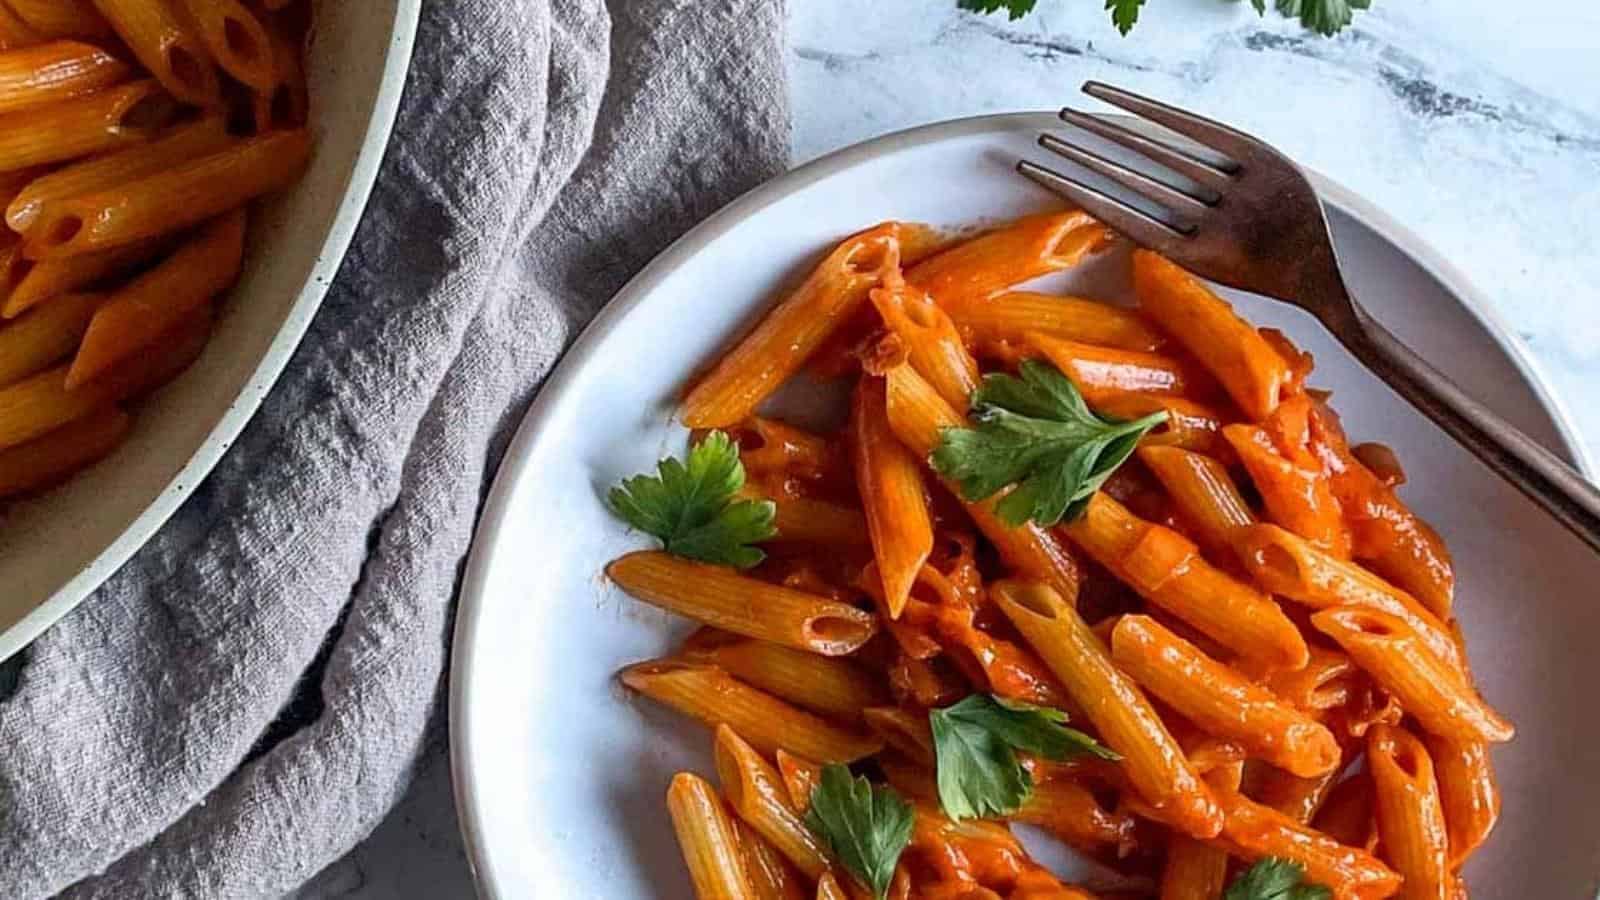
(545, 150)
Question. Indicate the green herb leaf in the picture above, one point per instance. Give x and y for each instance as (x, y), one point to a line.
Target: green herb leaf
(866, 826)
(1036, 433)
(1124, 13)
(1275, 878)
(1325, 17)
(691, 506)
(1015, 9)
(975, 743)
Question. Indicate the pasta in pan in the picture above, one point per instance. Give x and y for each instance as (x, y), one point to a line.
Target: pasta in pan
(133, 137)
(1044, 514)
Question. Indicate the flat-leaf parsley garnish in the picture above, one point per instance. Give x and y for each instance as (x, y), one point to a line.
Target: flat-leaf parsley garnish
(865, 825)
(693, 506)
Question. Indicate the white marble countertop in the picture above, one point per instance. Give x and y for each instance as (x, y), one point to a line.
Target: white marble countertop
(1474, 122)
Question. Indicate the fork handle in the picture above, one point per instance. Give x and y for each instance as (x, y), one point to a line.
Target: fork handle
(1538, 473)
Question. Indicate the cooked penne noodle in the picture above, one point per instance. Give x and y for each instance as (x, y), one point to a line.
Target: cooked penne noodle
(1295, 496)
(906, 733)
(771, 876)
(1154, 762)
(1195, 869)
(889, 479)
(791, 331)
(93, 123)
(1070, 811)
(826, 685)
(780, 450)
(1410, 820)
(723, 598)
(1252, 831)
(828, 888)
(13, 265)
(59, 70)
(1289, 566)
(1347, 815)
(918, 415)
(1190, 425)
(1428, 688)
(167, 46)
(758, 797)
(708, 838)
(809, 521)
(1252, 372)
(1008, 317)
(707, 693)
(168, 201)
(800, 778)
(12, 183)
(1166, 568)
(1324, 683)
(236, 39)
(1203, 492)
(286, 103)
(1468, 793)
(933, 346)
(61, 18)
(1219, 700)
(14, 32)
(135, 316)
(41, 403)
(47, 280)
(44, 336)
(181, 144)
(1007, 256)
(47, 460)
(1101, 372)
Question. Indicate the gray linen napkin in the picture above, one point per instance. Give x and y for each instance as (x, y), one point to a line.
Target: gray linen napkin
(545, 150)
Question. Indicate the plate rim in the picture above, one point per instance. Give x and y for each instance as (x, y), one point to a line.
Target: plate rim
(470, 600)
(341, 231)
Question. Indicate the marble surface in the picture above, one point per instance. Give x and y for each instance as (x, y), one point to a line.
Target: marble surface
(1474, 122)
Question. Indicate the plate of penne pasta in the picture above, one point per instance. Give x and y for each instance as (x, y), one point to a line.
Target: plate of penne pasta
(899, 533)
(179, 180)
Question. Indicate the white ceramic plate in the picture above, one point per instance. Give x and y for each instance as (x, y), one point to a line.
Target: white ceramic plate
(56, 549)
(560, 775)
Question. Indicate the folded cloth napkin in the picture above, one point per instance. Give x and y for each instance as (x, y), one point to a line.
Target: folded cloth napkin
(545, 150)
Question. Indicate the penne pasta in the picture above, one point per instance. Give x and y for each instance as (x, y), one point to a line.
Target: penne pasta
(933, 347)
(285, 103)
(808, 521)
(1289, 566)
(1155, 765)
(1189, 425)
(828, 888)
(93, 123)
(54, 19)
(1101, 372)
(1165, 568)
(1221, 701)
(830, 686)
(732, 602)
(1070, 812)
(1347, 814)
(707, 693)
(167, 46)
(1007, 318)
(1195, 869)
(1468, 793)
(758, 797)
(1203, 493)
(1252, 372)
(14, 32)
(908, 734)
(771, 876)
(890, 483)
(35, 341)
(47, 280)
(708, 839)
(1007, 256)
(1324, 683)
(1252, 831)
(132, 318)
(52, 457)
(236, 40)
(41, 403)
(1397, 659)
(169, 201)
(780, 343)
(1410, 820)
(800, 779)
(1295, 496)
(60, 70)
(181, 144)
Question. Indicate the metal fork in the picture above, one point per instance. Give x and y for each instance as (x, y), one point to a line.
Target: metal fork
(1250, 220)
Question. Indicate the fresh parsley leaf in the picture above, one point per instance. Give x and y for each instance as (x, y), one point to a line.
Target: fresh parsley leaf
(975, 743)
(1325, 17)
(1036, 433)
(1260, 5)
(1275, 878)
(1015, 9)
(692, 508)
(866, 826)
(1124, 13)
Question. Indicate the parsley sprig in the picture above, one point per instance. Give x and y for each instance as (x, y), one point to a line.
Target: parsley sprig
(1037, 433)
(866, 826)
(1275, 878)
(691, 506)
(975, 745)
(1326, 17)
